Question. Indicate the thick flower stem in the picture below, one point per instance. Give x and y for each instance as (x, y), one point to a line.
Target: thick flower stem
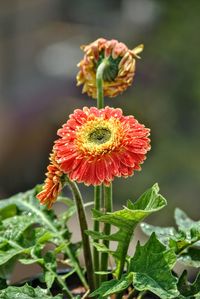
(99, 81)
(98, 189)
(83, 226)
(97, 206)
(108, 206)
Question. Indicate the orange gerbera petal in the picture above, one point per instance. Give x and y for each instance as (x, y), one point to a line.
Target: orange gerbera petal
(96, 145)
(52, 186)
(118, 76)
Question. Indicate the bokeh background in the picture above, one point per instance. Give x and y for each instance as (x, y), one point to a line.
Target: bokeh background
(39, 51)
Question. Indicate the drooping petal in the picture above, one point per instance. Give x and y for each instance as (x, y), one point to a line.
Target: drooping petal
(53, 185)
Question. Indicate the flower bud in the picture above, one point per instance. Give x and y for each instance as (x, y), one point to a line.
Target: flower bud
(120, 69)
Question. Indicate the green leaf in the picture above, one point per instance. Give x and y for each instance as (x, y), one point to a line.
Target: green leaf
(6, 256)
(103, 272)
(188, 235)
(126, 220)
(43, 236)
(111, 287)
(12, 231)
(101, 247)
(190, 227)
(151, 269)
(31, 261)
(191, 258)
(7, 211)
(150, 200)
(49, 278)
(163, 233)
(26, 292)
(66, 200)
(183, 221)
(186, 288)
(12, 228)
(50, 268)
(26, 203)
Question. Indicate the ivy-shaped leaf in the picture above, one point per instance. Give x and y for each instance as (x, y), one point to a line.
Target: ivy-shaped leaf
(183, 222)
(7, 211)
(191, 257)
(126, 220)
(189, 227)
(27, 204)
(26, 292)
(50, 268)
(187, 289)
(151, 267)
(113, 286)
(184, 242)
(13, 228)
(149, 270)
(163, 233)
(12, 231)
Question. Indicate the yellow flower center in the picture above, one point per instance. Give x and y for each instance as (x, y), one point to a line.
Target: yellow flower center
(99, 136)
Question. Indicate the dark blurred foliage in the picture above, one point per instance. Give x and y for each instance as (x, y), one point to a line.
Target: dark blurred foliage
(39, 50)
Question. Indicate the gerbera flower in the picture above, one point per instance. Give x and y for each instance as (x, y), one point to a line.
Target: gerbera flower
(96, 145)
(53, 184)
(119, 73)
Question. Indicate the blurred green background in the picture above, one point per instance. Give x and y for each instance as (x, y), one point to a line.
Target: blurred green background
(39, 51)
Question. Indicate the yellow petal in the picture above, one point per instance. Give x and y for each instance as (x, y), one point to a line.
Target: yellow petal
(137, 50)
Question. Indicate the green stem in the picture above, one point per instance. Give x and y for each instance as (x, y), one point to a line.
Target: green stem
(99, 82)
(97, 206)
(107, 228)
(83, 226)
(64, 287)
(57, 276)
(122, 261)
(98, 189)
(47, 223)
(182, 250)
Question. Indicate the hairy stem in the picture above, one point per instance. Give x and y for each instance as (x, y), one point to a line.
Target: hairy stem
(83, 226)
(58, 278)
(98, 189)
(108, 206)
(99, 81)
(63, 285)
(97, 206)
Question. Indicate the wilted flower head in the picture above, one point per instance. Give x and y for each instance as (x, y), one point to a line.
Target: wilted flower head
(53, 185)
(120, 70)
(96, 145)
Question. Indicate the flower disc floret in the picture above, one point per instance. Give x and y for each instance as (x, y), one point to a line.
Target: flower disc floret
(99, 136)
(96, 145)
(118, 74)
